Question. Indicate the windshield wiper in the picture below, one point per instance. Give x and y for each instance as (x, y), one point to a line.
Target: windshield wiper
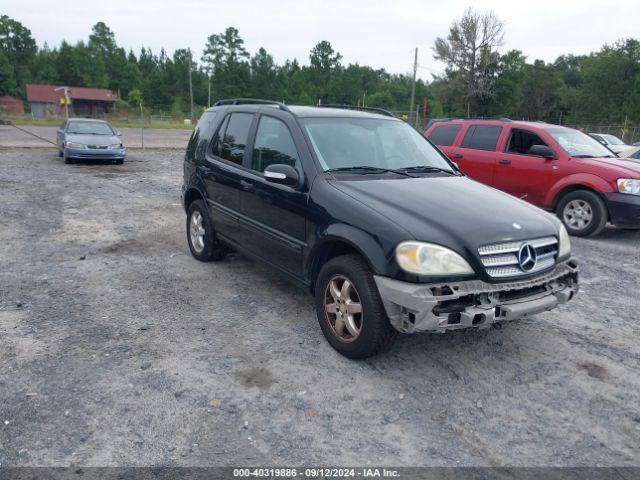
(427, 168)
(369, 169)
(583, 156)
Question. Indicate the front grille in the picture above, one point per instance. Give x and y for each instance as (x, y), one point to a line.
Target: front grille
(98, 147)
(500, 260)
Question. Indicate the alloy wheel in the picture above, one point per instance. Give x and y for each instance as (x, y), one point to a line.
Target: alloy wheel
(196, 231)
(343, 308)
(577, 214)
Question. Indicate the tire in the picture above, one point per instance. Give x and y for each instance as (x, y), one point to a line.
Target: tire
(60, 153)
(374, 332)
(68, 160)
(583, 213)
(209, 249)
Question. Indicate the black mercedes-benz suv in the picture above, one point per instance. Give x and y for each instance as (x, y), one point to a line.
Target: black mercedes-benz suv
(360, 209)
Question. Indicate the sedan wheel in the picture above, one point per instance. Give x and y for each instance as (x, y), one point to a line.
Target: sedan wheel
(343, 309)
(577, 214)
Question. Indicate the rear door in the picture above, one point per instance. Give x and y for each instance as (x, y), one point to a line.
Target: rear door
(523, 175)
(223, 174)
(476, 153)
(273, 216)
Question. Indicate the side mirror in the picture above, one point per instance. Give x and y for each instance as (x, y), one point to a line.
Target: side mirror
(282, 174)
(542, 151)
(119, 134)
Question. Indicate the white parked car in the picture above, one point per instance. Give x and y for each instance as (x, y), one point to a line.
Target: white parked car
(633, 152)
(612, 142)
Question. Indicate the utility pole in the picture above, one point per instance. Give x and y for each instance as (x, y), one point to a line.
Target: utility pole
(413, 84)
(191, 85)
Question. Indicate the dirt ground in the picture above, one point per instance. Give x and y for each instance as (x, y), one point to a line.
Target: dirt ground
(118, 348)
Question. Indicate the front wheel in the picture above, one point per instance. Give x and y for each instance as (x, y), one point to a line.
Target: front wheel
(349, 308)
(202, 240)
(583, 213)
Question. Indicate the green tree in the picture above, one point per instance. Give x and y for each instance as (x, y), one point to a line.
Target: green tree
(471, 56)
(19, 50)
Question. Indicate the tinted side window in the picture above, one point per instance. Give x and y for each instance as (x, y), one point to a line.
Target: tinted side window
(273, 144)
(636, 155)
(202, 133)
(444, 135)
(481, 137)
(520, 141)
(217, 143)
(232, 142)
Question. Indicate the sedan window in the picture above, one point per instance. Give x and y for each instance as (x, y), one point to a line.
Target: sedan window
(89, 128)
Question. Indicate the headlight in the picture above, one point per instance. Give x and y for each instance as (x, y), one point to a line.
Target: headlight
(115, 146)
(565, 244)
(74, 145)
(629, 185)
(428, 259)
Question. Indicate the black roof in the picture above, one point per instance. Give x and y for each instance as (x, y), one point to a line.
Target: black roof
(347, 111)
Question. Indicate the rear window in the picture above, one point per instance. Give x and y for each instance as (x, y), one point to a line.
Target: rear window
(481, 137)
(444, 135)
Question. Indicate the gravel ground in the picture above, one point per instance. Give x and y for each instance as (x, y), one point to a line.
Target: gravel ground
(118, 348)
(131, 137)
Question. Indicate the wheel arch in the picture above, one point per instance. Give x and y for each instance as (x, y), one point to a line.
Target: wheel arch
(191, 195)
(344, 240)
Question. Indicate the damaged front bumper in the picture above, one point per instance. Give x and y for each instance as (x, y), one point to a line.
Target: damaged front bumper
(418, 307)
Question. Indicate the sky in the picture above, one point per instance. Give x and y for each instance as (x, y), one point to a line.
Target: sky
(381, 34)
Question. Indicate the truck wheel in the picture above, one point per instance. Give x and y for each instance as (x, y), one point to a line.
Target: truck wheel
(200, 235)
(583, 213)
(349, 309)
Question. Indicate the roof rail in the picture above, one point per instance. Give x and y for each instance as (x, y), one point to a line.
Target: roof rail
(381, 111)
(251, 101)
(495, 119)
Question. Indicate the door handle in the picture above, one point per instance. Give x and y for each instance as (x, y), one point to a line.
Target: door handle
(457, 155)
(504, 161)
(246, 185)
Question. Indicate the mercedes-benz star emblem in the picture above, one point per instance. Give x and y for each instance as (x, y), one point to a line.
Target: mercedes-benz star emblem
(527, 257)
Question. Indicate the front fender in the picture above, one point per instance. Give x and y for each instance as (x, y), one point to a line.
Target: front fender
(587, 180)
(371, 249)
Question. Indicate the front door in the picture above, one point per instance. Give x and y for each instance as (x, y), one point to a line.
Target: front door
(272, 215)
(520, 174)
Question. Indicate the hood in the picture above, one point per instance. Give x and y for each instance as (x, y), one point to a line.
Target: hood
(93, 139)
(627, 167)
(452, 211)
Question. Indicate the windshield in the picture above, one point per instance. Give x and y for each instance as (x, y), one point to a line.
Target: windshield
(578, 144)
(90, 128)
(340, 143)
(612, 139)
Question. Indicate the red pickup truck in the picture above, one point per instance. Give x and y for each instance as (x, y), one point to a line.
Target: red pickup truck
(553, 167)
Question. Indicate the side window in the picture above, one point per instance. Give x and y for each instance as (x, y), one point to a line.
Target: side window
(273, 144)
(202, 133)
(444, 135)
(481, 137)
(635, 155)
(63, 126)
(217, 142)
(232, 137)
(520, 141)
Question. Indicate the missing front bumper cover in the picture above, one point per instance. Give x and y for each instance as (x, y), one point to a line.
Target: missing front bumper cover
(414, 307)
